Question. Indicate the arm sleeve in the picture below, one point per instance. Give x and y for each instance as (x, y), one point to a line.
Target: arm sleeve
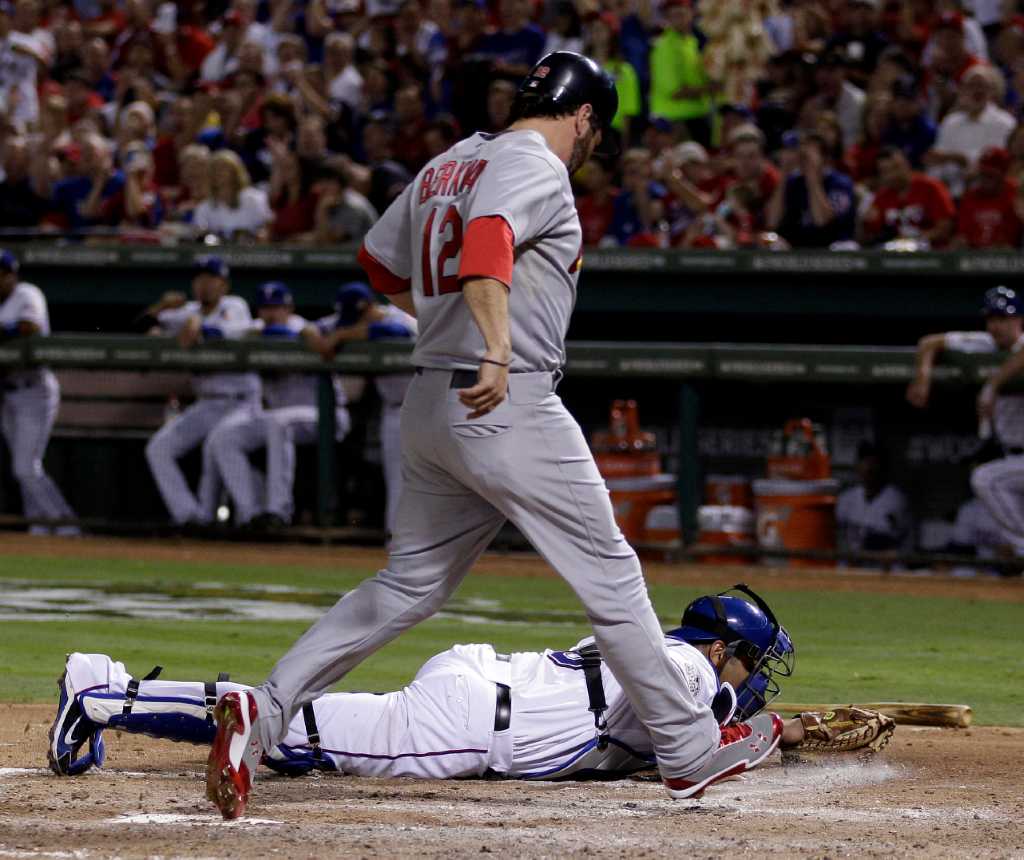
(488, 250)
(969, 341)
(173, 319)
(33, 309)
(389, 242)
(236, 321)
(382, 279)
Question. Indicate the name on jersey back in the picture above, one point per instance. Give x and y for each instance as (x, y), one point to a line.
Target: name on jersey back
(451, 178)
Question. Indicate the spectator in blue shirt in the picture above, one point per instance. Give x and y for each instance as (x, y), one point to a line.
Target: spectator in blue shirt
(814, 207)
(517, 45)
(909, 129)
(639, 212)
(82, 199)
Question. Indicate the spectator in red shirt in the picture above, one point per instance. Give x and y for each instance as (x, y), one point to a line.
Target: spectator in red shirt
(596, 207)
(987, 217)
(907, 205)
(752, 171)
(291, 195)
(80, 99)
(862, 157)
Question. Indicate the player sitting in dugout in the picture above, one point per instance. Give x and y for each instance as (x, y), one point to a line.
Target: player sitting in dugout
(470, 711)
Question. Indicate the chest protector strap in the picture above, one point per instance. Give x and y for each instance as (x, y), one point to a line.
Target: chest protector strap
(590, 658)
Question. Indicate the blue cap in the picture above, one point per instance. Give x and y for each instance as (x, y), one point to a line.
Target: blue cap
(8, 262)
(211, 265)
(348, 299)
(274, 294)
(660, 123)
(1001, 302)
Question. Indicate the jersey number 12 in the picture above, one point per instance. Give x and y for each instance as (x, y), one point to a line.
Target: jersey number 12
(451, 225)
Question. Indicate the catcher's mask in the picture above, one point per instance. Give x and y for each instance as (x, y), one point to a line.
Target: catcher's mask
(751, 633)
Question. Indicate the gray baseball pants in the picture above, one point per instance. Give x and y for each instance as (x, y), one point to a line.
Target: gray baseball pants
(27, 417)
(1000, 486)
(526, 461)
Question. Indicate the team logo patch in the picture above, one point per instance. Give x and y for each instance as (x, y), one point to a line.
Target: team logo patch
(542, 72)
(692, 678)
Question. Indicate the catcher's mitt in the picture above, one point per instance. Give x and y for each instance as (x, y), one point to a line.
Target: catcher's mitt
(845, 730)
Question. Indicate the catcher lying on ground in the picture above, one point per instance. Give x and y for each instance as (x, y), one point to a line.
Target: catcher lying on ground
(474, 712)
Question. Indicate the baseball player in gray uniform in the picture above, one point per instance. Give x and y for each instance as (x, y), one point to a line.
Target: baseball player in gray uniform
(359, 316)
(999, 483)
(29, 399)
(484, 248)
(288, 419)
(212, 315)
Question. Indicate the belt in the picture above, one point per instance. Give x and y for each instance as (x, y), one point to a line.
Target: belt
(468, 378)
(503, 708)
(460, 378)
(1016, 452)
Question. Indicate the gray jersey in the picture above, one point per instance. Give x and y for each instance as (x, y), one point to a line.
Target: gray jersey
(1008, 419)
(512, 175)
(231, 320)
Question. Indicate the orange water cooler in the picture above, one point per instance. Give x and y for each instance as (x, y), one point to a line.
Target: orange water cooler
(628, 459)
(796, 503)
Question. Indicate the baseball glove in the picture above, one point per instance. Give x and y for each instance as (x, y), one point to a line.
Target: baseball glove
(845, 730)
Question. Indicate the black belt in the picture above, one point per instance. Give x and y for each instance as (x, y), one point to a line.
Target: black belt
(460, 378)
(1016, 452)
(503, 708)
(227, 396)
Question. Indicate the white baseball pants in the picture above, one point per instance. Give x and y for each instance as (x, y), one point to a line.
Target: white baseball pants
(175, 439)
(441, 726)
(26, 416)
(1000, 486)
(277, 430)
(526, 461)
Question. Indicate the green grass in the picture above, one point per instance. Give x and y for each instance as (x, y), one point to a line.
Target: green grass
(852, 647)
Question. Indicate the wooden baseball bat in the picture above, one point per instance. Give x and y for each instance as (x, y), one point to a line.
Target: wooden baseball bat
(904, 713)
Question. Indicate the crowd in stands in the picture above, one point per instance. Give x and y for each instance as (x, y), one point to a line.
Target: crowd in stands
(872, 123)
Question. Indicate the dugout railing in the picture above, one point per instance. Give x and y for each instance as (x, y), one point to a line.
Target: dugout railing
(686, 369)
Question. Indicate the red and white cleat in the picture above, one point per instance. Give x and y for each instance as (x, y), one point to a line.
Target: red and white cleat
(743, 747)
(231, 767)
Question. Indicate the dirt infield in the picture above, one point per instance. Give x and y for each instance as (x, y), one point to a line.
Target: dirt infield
(521, 564)
(932, 793)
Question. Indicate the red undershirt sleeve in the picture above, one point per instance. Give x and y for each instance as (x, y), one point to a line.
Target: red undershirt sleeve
(488, 250)
(382, 279)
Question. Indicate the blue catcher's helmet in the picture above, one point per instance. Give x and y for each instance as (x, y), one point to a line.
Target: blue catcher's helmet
(348, 302)
(751, 633)
(1001, 302)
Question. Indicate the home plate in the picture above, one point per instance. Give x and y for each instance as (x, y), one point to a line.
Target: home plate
(178, 818)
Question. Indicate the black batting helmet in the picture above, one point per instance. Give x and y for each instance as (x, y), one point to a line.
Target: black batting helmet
(1001, 302)
(563, 81)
